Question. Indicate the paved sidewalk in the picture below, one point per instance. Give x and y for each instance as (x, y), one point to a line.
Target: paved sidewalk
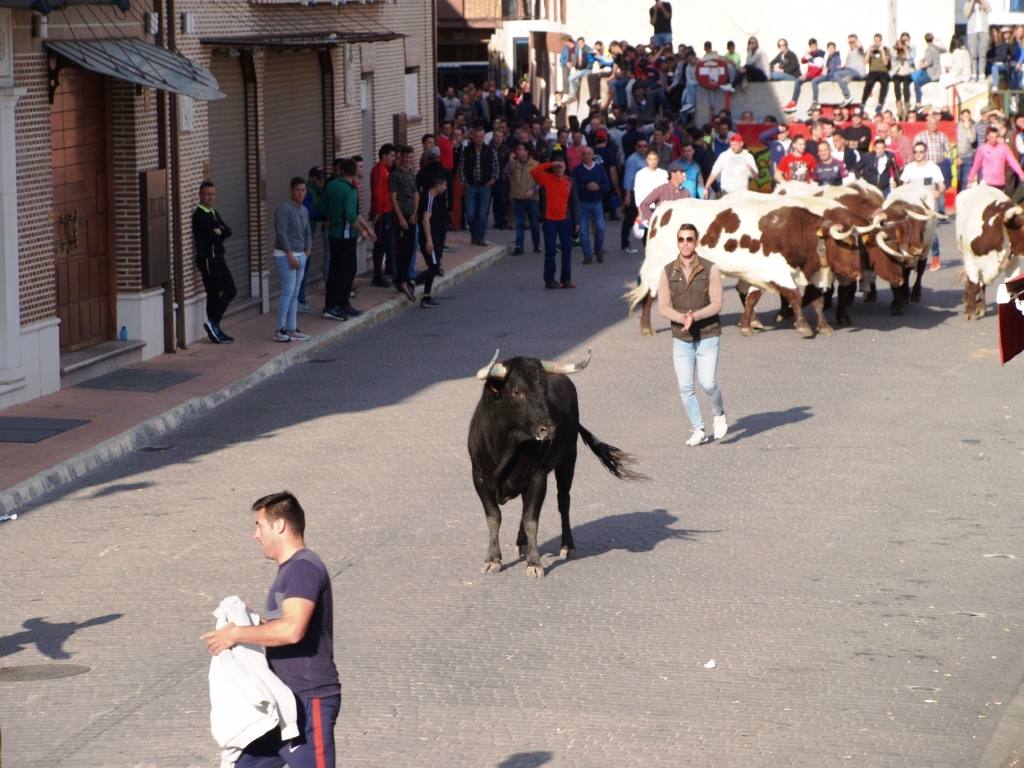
(120, 421)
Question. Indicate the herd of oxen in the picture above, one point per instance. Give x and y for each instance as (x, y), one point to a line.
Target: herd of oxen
(803, 240)
(797, 243)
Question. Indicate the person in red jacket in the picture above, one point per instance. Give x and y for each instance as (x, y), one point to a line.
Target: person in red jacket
(561, 218)
(383, 216)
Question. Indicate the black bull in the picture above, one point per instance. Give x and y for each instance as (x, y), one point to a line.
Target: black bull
(525, 425)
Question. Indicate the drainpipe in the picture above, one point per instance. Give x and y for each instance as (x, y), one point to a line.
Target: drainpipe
(161, 153)
(176, 215)
(433, 47)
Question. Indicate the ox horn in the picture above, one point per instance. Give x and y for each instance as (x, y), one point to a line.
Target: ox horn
(836, 233)
(876, 222)
(1011, 212)
(566, 367)
(492, 369)
(880, 240)
(919, 216)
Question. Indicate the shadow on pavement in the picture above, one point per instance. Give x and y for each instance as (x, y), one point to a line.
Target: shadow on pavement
(634, 532)
(111, 490)
(526, 760)
(47, 637)
(756, 423)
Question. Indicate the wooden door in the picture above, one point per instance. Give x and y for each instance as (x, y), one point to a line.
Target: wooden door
(86, 293)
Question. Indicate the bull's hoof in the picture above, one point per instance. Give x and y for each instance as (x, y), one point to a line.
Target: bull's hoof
(756, 325)
(567, 553)
(491, 566)
(535, 571)
(825, 330)
(980, 312)
(746, 330)
(646, 330)
(805, 330)
(968, 315)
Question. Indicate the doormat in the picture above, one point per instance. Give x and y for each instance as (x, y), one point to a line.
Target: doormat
(31, 430)
(138, 380)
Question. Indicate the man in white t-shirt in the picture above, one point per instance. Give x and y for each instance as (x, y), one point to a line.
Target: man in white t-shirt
(649, 178)
(924, 173)
(733, 169)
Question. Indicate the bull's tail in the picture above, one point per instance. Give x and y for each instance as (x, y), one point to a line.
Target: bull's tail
(616, 461)
(635, 295)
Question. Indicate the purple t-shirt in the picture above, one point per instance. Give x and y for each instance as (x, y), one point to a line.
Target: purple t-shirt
(307, 667)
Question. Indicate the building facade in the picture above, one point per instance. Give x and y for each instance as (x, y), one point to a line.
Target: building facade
(506, 41)
(112, 113)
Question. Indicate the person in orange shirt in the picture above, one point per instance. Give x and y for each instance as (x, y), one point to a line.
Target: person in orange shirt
(561, 218)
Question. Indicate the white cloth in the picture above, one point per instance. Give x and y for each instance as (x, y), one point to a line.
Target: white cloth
(734, 170)
(246, 698)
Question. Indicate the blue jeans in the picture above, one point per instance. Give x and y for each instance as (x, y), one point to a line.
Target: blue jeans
(316, 725)
(555, 233)
(1010, 71)
(702, 355)
(661, 38)
(841, 76)
(783, 76)
(478, 202)
(527, 209)
(290, 279)
(940, 206)
(920, 78)
(963, 171)
(592, 211)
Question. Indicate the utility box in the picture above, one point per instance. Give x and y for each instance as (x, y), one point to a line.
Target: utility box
(155, 225)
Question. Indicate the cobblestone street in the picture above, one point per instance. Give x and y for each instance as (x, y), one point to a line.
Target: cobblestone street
(849, 555)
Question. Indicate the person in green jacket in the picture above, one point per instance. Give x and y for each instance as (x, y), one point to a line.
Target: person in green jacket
(340, 205)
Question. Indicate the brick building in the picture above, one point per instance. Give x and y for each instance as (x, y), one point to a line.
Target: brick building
(501, 40)
(111, 113)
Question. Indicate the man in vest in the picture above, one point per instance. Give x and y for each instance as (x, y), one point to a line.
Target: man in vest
(690, 297)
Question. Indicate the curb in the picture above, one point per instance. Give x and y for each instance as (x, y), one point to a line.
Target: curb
(21, 495)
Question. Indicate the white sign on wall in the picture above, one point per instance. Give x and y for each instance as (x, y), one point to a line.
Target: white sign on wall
(186, 113)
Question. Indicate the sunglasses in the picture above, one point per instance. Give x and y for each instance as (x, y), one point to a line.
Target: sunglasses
(686, 239)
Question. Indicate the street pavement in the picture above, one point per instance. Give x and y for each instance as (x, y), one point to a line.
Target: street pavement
(849, 555)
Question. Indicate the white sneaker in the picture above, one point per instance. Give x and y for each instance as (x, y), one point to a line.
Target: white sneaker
(728, 88)
(281, 335)
(721, 427)
(696, 437)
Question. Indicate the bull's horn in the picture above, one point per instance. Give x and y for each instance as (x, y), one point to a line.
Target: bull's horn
(492, 369)
(919, 216)
(876, 222)
(566, 367)
(1011, 212)
(837, 234)
(885, 246)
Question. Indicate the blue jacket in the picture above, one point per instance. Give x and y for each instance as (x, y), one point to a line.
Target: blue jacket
(582, 177)
(693, 176)
(833, 63)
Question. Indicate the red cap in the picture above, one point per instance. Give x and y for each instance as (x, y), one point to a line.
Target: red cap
(735, 137)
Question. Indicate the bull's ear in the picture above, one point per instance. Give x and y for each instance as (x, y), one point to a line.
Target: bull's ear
(495, 386)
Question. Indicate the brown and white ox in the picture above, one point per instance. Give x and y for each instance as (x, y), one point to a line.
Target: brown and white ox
(777, 244)
(990, 236)
(895, 233)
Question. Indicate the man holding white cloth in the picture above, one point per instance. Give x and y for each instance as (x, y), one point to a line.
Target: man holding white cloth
(298, 636)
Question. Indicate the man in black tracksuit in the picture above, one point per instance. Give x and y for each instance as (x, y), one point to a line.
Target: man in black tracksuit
(210, 232)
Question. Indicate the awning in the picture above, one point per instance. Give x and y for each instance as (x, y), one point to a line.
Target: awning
(326, 39)
(45, 6)
(141, 63)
